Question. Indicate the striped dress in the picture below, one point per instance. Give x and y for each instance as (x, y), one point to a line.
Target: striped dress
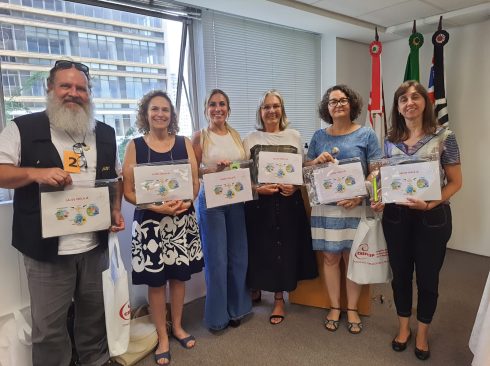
(333, 227)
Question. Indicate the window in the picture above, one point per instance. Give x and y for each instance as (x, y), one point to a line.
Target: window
(245, 58)
(122, 68)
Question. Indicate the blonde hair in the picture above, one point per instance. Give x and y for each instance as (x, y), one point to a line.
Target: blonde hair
(283, 123)
(205, 140)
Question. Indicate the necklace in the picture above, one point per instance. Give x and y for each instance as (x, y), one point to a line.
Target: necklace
(82, 144)
(167, 152)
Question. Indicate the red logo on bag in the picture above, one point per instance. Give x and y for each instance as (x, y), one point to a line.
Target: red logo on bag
(125, 311)
(363, 251)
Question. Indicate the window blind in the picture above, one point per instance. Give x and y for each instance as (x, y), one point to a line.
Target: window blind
(245, 58)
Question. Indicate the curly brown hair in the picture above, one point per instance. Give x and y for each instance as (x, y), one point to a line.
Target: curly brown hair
(399, 131)
(355, 102)
(142, 115)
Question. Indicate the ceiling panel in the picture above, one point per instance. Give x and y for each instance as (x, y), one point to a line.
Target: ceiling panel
(355, 8)
(449, 5)
(401, 13)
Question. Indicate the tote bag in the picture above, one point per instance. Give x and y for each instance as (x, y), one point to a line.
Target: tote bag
(116, 300)
(368, 259)
(15, 340)
(143, 340)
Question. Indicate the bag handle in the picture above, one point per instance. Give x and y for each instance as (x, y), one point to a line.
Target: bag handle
(115, 260)
(363, 209)
(24, 330)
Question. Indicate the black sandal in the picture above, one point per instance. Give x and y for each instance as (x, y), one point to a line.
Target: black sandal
(274, 316)
(353, 327)
(331, 324)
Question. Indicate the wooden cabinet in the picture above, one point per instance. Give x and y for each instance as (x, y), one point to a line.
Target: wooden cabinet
(314, 293)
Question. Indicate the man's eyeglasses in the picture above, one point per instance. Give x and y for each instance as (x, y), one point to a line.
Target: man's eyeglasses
(67, 64)
(335, 102)
(78, 149)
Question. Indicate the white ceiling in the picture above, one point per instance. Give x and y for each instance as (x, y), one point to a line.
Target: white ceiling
(356, 19)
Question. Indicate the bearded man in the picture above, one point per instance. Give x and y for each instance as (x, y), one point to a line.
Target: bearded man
(35, 149)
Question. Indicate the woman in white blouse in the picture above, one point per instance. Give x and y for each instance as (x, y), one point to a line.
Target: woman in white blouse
(279, 238)
(223, 234)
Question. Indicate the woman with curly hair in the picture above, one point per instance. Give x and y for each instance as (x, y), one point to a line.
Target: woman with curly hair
(165, 244)
(333, 226)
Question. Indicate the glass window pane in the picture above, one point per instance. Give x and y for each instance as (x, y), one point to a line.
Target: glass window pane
(116, 62)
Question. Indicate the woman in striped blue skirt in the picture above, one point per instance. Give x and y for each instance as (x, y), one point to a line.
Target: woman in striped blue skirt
(333, 226)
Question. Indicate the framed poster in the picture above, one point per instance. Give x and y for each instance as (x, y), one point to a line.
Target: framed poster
(75, 211)
(419, 180)
(338, 182)
(163, 182)
(227, 187)
(280, 167)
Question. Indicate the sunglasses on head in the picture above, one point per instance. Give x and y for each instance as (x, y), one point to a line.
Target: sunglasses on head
(66, 64)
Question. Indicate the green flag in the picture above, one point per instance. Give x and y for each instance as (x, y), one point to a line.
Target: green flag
(415, 41)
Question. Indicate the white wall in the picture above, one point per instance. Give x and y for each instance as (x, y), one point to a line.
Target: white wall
(467, 64)
(14, 294)
(329, 62)
(354, 69)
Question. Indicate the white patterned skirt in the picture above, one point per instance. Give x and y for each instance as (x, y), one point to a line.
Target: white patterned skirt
(165, 247)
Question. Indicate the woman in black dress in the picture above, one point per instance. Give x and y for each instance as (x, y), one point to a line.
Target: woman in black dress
(279, 237)
(166, 244)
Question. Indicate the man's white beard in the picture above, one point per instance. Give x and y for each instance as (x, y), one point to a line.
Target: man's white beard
(75, 121)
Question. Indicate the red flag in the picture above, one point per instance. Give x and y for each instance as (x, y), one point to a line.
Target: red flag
(376, 110)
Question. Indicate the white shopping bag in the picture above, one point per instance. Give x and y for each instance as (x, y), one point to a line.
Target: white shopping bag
(116, 300)
(368, 259)
(15, 340)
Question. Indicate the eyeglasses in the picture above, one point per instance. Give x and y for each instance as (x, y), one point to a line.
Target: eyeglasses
(67, 64)
(269, 107)
(336, 102)
(78, 149)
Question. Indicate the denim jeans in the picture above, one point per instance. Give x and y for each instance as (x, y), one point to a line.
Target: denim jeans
(416, 239)
(224, 244)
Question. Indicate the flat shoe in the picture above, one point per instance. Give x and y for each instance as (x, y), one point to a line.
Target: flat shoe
(161, 356)
(183, 341)
(235, 323)
(422, 355)
(400, 346)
